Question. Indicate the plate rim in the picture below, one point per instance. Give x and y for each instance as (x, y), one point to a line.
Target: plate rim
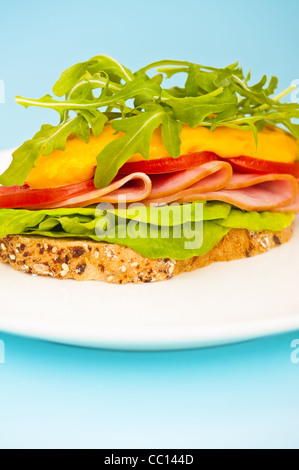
(177, 338)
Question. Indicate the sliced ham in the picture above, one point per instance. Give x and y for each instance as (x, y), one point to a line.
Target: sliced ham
(248, 192)
(263, 197)
(207, 177)
(246, 180)
(293, 207)
(138, 187)
(133, 188)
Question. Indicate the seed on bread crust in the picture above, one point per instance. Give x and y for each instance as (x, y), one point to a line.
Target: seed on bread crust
(81, 268)
(85, 261)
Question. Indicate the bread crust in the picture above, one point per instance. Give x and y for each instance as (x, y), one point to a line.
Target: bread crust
(91, 261)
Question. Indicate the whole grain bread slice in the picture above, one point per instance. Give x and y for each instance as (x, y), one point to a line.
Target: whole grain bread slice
(94, 261)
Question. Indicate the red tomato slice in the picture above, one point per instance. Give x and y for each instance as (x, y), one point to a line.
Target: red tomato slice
(168, 165)
(249, 164)
(22, 196)
(12, 189)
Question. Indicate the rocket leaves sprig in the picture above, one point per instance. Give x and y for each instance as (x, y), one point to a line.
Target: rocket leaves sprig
(101, 91)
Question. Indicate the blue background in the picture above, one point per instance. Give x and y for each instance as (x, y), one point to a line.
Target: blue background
(56, 396)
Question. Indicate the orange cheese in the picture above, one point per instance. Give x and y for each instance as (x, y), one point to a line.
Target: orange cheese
(78, 162)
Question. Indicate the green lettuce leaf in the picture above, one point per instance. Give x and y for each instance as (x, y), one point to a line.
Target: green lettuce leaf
(158, 247)
(257, 221)
(174, 214)
(17, 221)
(154, 244)
(169, 237)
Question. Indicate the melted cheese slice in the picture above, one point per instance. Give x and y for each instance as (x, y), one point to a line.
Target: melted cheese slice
(78, 162)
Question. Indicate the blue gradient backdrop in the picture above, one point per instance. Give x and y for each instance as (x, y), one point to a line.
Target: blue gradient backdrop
(54, 396)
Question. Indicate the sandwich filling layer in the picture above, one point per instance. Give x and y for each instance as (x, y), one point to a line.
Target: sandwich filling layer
(167, 238)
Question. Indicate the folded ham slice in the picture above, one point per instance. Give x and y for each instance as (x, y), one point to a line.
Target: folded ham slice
(293, 207)
(245, 191)
(207, 177)
(133, 188)
(263, 197)
(246, 180)
(139, 187)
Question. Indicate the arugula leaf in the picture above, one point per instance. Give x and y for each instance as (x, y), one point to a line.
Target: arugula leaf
(171, 71)
(98, 64)
(292, 127)
(206, 82)
(193, 111)
(138, 133)
(43, 143)
(227, 115)
(171, 63)
(44, 102)
(139, 86)
(93, 83)
(191, 85)
(96, 120)
(273, 84)
(171, 132)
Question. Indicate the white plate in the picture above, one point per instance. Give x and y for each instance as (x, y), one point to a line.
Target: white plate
(220, 304)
